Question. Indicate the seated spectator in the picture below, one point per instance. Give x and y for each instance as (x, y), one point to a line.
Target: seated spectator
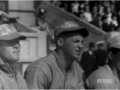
(95, 12)
(75, 8)
(101, 9)
(81, 13)
(88, 62)
(97, 21)
(87, 14)
(108, 14)
(118, 17)
(42, 24)
(106, 4)
(114, 22)
(105, 26)
(100, 54)
(64, 6)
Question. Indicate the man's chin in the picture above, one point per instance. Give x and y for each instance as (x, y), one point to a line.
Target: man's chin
(76, 57)
(14, 60)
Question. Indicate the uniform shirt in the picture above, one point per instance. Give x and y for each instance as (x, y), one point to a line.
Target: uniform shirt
(48, 73)
(11, 79)
(103, 78)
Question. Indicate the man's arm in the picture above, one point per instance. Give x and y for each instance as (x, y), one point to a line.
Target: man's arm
(36, 79)
(100, 83)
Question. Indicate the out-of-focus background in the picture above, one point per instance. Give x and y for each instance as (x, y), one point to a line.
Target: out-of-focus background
(38, 20)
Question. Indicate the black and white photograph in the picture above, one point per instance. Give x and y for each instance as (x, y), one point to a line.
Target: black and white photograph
(59, 44)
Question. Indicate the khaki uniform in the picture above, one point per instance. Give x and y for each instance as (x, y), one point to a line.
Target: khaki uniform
(48, 73)
(103, 78)
(10, 79)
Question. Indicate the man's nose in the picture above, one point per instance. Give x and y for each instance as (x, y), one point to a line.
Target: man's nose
(80, 45)
(17, 45)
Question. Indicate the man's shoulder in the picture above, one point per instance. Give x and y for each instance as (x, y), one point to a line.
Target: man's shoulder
(42, 62)
(103, 78)
(102, 72)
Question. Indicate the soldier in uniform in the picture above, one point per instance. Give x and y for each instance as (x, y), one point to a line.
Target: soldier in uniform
(10, 77)
(60, 69)
(107, 76)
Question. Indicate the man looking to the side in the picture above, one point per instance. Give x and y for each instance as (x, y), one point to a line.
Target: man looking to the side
(60, 69)
(10, 77)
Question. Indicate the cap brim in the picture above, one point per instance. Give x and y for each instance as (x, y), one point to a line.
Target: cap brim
(13, 36)
(82, 31)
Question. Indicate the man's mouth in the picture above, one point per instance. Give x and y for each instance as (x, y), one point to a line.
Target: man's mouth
(78, 52)
(16, 52)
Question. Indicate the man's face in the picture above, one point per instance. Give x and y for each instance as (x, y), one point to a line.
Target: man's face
(72, 45)
(9, 50)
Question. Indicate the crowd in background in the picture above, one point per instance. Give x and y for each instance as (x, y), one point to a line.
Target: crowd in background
(103, 14)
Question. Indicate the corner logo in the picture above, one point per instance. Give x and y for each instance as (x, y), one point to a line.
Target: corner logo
(104, 80)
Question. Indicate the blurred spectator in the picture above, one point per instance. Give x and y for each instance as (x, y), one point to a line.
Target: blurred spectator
(107, 27)
(108, 14)
(42, 24)
(101, 9)
(75, 8)
(87, 14)
(88, 62)
(118, 17)
(113, 7)
(100, 54)
(97, 21)
(106, 4)
(95, 12)
(82, 6)
(64, 6)
(69, 5)
(114, 21)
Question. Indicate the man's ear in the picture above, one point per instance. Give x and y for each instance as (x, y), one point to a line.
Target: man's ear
(60, 42)
(110, 55)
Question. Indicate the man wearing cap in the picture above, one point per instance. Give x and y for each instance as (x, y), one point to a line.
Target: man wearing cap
(60, 69)
(100, 54)
(88, 62)
(107, 76)
(10, 77)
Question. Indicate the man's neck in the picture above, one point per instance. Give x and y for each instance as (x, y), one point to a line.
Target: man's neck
(65, 60)
(10, 64)
(113, 67)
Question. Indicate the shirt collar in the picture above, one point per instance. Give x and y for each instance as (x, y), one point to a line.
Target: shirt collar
(58, 61)
(5, 67)
(60, 64)
(90, 52)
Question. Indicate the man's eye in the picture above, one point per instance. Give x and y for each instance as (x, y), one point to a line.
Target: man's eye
(76, 41)
(82, 41)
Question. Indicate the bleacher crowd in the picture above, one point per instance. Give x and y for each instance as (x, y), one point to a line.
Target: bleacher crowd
(103, 14)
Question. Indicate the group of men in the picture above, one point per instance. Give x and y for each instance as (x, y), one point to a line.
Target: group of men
(94, 57)
(61, 68)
